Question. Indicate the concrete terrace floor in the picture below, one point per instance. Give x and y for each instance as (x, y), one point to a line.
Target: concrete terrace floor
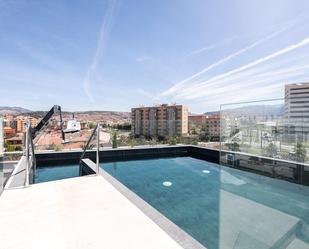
(83, 212)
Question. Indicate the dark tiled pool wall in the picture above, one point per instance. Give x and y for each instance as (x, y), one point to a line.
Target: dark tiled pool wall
(293, 172)
(275, 168)
(60, 158)
(209, 155)
(142, 153)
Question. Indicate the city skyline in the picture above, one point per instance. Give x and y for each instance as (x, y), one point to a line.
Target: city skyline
(114, 55)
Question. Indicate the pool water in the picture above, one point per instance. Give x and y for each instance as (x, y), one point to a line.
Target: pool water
(52, 173)
(187, 191)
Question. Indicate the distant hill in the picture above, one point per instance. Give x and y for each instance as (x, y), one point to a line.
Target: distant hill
(108, 116)
(277, 109)
(13, 110)
(111, 116)
(212, 113)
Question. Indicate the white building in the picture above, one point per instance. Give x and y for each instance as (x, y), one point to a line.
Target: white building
(296, 111)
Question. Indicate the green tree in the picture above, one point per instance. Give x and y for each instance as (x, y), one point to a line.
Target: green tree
(90, 146)
(271, 150)
(114, 141)
(8, 147)
(55, 147)
(18, 148)
(300, 152)
(92, 126)
(193, 131)
(194, 141)
(204, 137)
(172, 141)
(132, 142)
(233, 146)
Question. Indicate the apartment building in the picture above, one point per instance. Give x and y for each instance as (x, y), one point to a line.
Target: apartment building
(160, 121)
(197, 120)
(209, 124)
(296, 111)
(212, 126)
(19, 125)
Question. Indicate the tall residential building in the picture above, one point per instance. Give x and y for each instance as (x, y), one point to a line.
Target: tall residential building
(33, 121)
(160, 121)
(213, 126)
(209, 123)
(296, 111)
(197, 120)
(19, 125)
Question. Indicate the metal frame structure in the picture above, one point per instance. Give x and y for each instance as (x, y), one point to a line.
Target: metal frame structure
(30, 156)
(96, 131)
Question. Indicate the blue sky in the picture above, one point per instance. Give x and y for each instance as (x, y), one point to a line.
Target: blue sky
(117, 54)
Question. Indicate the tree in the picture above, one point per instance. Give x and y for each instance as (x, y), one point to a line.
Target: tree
(90, 146)
(300, 152)
(55, 147)
(18, 148)
(194, 141)
(172, 141)
(271, 150)
(193, 131)
(233, 146)
(92, 126)
(132, 142)
(8, 147)
(114, 141)
(204, 137)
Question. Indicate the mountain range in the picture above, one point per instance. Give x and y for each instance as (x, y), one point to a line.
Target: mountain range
(13, 110)
(112, 116)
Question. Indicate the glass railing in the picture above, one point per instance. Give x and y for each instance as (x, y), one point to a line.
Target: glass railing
(1, 156)
(264, 176)
(121, 132)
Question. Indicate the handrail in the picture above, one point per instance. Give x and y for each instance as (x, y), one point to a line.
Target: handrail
(95, 130)
(88, 142)
(33, 159)
(30, 156)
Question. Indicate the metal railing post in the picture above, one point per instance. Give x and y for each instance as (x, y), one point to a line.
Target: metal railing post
(98, 149)
(27, 158)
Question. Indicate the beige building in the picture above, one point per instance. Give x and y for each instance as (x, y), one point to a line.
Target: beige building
(19, 125)
(210, 124)
(213, 126)
(160, 121)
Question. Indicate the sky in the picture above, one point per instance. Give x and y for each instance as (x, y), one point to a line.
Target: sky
(119, 54)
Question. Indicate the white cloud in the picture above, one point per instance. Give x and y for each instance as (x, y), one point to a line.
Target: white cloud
(101, 44)
(198, 89)
(182, 84)
(201, 50)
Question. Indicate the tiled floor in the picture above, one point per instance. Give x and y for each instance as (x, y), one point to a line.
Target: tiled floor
(84, 212)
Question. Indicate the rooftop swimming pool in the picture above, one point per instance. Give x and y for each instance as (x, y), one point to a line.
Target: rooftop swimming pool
(52, 173)
(243, 209)
(218, 206)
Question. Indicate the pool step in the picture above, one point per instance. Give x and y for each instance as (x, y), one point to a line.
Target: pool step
(298, 244)
(245, 224)
(245, 241)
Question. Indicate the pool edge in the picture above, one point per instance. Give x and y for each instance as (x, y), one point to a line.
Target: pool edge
(185, 240)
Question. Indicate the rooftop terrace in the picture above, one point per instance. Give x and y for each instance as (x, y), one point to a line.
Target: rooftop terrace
(85, 212)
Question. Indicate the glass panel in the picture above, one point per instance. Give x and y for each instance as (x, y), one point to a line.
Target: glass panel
(1, 155)
(264, 176)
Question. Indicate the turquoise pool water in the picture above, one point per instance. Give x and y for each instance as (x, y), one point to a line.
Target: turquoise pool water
(184, 189)
(52, 173)
(187, 191)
